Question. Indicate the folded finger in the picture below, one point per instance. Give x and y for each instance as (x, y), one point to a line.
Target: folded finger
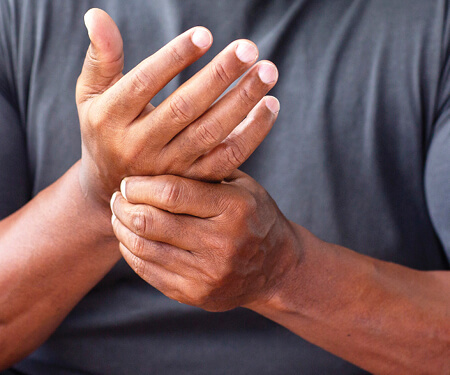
(145, 222)
(176, 194)
(167, 282)
(148, 250)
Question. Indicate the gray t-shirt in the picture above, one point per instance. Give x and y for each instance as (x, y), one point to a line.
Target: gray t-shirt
(360, 155)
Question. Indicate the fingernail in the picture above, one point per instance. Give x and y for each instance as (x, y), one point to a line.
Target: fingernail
(273, 104)
(113, 199)
(88, 20)
(113, 219)
(268, 73)
(246, 52)
(123, 188)
(201, 37)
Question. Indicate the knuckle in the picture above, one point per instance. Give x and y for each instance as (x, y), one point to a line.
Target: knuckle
(179, 163)
(182, 109)
(234, 155)
(105, 70)
(209, 132)
(135, 158)
(138, 265)
(259, 194)
(247, 96)
(97, 118)
(215, 244)
(137, 246)
(140, 222)
(171, 194)
(92, 59)
(175, 55)
(219, 73)
(252, 204)
(200, 296)
(228, 249)
(216, 172)
(247, 205)
(141, 80)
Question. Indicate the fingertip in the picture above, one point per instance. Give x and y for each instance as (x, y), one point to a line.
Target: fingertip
(246, 51)
(273, 104)
(92, 17)
(268, 72)
(88, 20)
(104, 56)
(202, 37)
(103, 33)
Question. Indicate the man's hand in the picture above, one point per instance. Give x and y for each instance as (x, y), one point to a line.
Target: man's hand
(218, 246)
(215, 246)
(187, 134)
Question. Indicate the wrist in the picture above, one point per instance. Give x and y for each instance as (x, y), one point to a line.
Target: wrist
(96, 202)
(288, 260)
(304, 281)
(93, 186)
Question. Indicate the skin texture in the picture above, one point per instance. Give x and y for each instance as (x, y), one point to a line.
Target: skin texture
(219, 246)
(236, 247)
(68, 244)
(185, 135)
(222, 248)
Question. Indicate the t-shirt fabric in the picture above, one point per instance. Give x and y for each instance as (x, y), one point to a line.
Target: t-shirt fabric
(360, 155)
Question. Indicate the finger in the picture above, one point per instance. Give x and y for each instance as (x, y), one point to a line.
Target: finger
(144, 255)
(160, 278)
(239, 145)
(238, 176)
(146, 222)
(196, 95)
(217, 123)
(176, 194)
(104, 59)
(131, 94)
(161, 253)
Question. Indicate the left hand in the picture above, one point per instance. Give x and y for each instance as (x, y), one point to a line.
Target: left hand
(212, 245)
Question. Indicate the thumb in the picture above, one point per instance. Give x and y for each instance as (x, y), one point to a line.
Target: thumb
(104, 58)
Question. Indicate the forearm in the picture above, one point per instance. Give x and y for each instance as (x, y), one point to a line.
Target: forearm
(53, 251)
(382, 317)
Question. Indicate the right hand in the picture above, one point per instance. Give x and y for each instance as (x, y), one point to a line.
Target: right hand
(186, 135)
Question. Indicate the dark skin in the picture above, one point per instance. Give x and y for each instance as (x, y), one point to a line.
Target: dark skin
(237, 248)
(69, 245)
(220, 246)
(186, 135)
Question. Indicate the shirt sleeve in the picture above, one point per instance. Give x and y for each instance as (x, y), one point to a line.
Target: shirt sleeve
(15, 187)
(437, 167)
